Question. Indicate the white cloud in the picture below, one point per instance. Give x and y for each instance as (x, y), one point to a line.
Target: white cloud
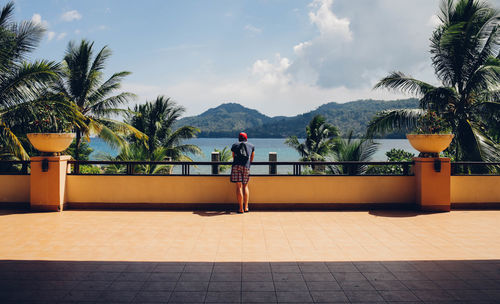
(37, 19)
(355, 44)
(358, 44)
(71, 15)
(252, 29)
(77, 32)
(271, 74)
(327, 22)
(61, 36)
(51, 35)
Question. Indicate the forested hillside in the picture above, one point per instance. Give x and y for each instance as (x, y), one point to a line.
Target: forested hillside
(227, 120)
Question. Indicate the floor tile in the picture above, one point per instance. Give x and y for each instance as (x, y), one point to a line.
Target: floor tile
(257, 286)
(398, 295)
(293, 297)
(223, 297)
(323, 286)
(329, 297)
(258, 297)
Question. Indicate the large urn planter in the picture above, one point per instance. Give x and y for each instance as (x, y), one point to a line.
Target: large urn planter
(51, 143)
(430, 143)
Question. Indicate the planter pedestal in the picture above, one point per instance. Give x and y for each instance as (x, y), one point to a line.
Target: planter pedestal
(48, 182)
(432, 177)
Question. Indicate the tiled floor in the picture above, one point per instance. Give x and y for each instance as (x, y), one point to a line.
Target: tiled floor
(267, 257)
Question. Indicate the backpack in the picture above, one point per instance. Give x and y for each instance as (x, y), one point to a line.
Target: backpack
(243, 153)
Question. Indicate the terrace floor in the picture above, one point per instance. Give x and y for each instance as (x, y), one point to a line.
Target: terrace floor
(267, 257)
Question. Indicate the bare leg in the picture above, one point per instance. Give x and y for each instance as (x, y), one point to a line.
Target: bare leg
(239, 196)
(246, 196)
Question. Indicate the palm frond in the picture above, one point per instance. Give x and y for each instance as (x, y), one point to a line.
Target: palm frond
(398, 81)
(10, 142)
(26, 81)
(185, 132)
(391, 120)
(113, 83)
(122, 128)
(474, 144)
(107, 106)
(6, 14)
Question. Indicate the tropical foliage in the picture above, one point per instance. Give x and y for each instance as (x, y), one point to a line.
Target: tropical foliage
(138, 152)
(225, 155)
(393, 155)
(319, 139)
(24, 106)
(156, 119)
(355, 150)
(465, 55)
(83, 83)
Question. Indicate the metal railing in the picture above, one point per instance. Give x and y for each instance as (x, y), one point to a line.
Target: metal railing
(475, 168)
(178, 168)
(14, 167)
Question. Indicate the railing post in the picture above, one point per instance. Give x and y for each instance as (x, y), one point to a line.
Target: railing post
(48, 182)
(24, 168)
(433, 185)
(215, 158)
(406, 169)
(273, 157)
(76, 167)
(130, 169)
(296, 169)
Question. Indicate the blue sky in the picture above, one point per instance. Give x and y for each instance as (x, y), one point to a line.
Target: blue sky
(281, 57)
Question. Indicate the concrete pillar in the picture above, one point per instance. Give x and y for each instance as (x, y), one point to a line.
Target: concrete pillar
(432, 177)
(48, 182)
(273, 157)
(215, 158)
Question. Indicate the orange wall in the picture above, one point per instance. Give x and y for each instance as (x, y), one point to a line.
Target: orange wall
(475, 189)
(14, 189)
(286, 189)
(210, 189)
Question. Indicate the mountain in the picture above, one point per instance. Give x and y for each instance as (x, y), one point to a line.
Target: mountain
(227, 120)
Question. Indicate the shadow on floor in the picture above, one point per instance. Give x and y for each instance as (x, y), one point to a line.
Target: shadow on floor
(395, 213)
(475, 281)
(212, 213)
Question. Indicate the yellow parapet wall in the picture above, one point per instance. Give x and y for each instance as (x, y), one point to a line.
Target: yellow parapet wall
(15, 189)
(475, 189)
(218, 189)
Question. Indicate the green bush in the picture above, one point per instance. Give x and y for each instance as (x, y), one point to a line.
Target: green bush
(89, 169)
(394, 155)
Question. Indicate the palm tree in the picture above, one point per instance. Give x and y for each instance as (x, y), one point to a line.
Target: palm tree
(225, 156)
(139, 152)
(21, 82)
(82, 82)
(157, 120)
(466, 59)
(350, 149)
(319, 137)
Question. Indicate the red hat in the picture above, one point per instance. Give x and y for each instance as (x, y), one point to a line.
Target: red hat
(243, 136)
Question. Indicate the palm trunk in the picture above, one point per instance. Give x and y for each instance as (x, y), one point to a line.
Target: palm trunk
(77, 144)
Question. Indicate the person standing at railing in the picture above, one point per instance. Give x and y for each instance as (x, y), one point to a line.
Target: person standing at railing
(243, 153)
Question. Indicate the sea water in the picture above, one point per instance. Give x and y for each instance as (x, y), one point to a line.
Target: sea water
(262, 148)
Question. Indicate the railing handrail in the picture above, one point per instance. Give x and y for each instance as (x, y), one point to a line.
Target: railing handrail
(13, 161)
(304, 163)
(475, 163)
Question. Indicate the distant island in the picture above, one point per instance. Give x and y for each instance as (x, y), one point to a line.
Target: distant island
(228, 119)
